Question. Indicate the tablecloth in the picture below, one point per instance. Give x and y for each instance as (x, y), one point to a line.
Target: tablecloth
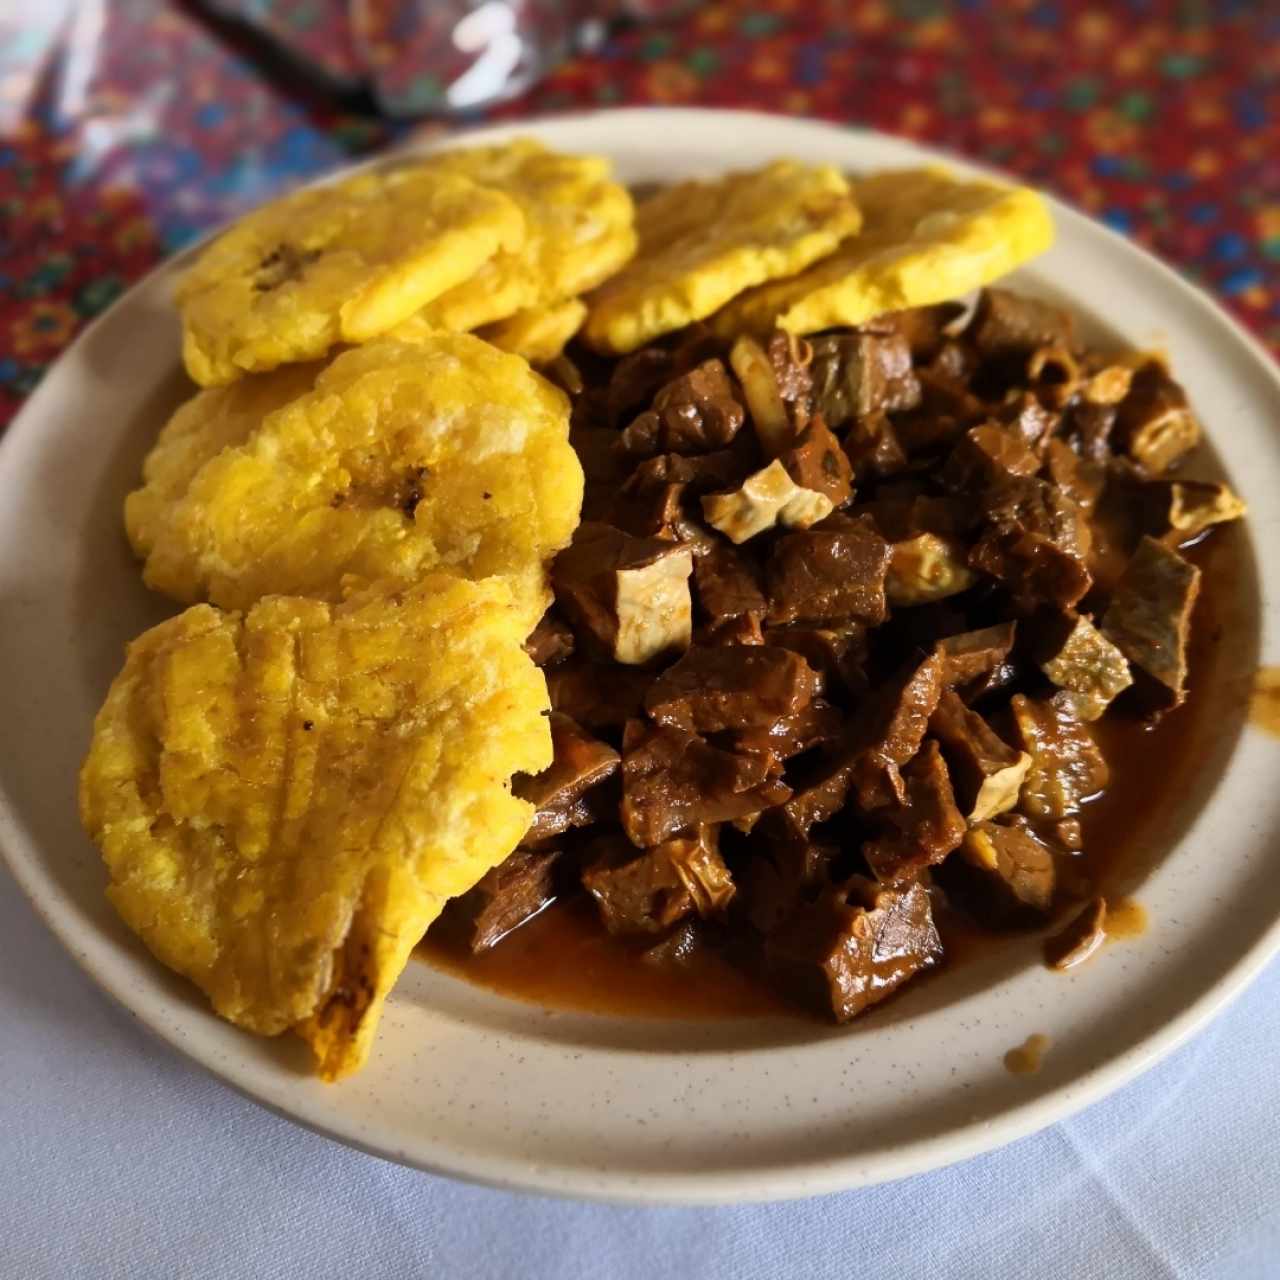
(126, 128)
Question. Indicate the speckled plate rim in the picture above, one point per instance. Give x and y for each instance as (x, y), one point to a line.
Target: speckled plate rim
(1135, 1010)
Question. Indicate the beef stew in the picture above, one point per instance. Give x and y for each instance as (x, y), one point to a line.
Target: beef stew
(865, 704)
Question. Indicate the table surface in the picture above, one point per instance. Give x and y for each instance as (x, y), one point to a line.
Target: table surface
(129, 126)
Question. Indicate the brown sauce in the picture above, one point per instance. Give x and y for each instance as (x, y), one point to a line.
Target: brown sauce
(563, 959)
(1264, 706)
(1027, 1058)
(1126, 918)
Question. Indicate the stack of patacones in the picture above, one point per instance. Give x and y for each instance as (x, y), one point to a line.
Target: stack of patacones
(288, 780)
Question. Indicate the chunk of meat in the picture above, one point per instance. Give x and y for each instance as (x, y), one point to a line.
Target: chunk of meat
(602, 466)
(646, 507)
(700, 474)
(832, 573)
(672, 780)
(853, 947)
(817, 724)
(1088, 429)
(873, 448)
(597, 695)
(923, 828)
(1002, 876)
(986, 771)
(651, 891)
(1154, 424)
(633, 382)
(819, 795)
(1079, 478)
(971, 654)
(1024, 417)
(924, 328)
(900, 513)
(950, 402)
(954, 359)
(551, 640)
(629, 595)
(780, 877)
(726, 583)
(1079, 938)
(581, 762)
(744, 629)
(740, 687)
(837, 653)
(1066, 765)
(985, 455)
(604, 469)
(1036, 542)
(817, 463)
(1078, 658)
(1011, 324)
(677, 949)
(926, 568)
(888, 732)
(1149, 618)
(635, 893)
(697, 412)
(511, 893)
(857, 373)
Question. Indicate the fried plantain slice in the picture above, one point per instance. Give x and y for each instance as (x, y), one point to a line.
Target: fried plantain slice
(214, 419)
(702, 243)
(578, 225)
(285, 801)
(402, 458)
(539, 334)
(342, 263)
(926, 237)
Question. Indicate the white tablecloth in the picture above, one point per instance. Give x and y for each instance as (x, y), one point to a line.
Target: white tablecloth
(119, 1158)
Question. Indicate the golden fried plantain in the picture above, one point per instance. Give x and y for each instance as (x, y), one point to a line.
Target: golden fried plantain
(342, 263)
(286, 800)
(578, 224)
(214, 419)
(926, 237)
(539, 334)
(402, 458)
(702, 243)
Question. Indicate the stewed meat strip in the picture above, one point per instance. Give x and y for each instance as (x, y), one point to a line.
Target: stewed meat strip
(835, 572)
(581, 762)
(853, 946)
(1067, 767)
(923, 828)
(1002, 874)
(738, 687)
(673, 779)
(697, 412)
(513, 892)
(1149, 617)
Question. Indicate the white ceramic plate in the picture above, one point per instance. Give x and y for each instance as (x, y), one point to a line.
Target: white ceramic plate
(467, 1083)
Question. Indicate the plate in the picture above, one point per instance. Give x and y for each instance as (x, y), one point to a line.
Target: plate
(470, 1084)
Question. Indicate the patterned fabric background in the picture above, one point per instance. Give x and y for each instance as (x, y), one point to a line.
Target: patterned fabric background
(129, 126)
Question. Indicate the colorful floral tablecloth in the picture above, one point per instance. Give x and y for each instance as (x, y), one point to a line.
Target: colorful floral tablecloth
(129, 126)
